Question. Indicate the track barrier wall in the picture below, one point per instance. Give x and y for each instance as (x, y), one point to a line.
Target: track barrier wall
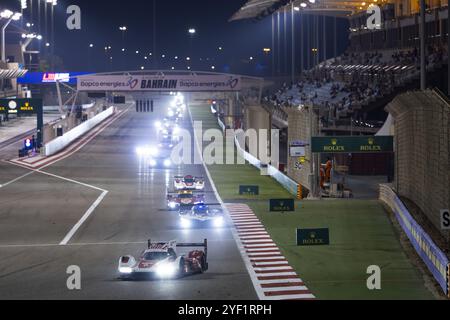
(435, 259)
(282, 179)
(62, 142)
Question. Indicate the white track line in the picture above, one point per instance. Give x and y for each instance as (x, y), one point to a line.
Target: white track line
(249, 267)
(16, 179)
(83, 219)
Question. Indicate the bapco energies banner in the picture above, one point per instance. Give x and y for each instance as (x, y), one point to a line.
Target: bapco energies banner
(159, 83)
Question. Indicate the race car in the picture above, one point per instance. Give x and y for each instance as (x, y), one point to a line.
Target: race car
(185, 197)
(201, 213)
(161, 260)
(189, 183)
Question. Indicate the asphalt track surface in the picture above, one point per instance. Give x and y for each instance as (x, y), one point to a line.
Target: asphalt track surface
(39, 209)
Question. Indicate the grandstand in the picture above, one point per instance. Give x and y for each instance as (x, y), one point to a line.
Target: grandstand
(351, 90)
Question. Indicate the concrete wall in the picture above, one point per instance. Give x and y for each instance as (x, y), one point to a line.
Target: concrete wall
(70, 122)
(422, 142)
(65, 140)
(299, 130)
(257, 118)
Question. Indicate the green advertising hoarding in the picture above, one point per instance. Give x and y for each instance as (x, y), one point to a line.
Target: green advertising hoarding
(313, 237)
(356, 144)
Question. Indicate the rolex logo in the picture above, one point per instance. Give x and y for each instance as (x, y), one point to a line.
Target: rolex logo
(334, 142)
(312, 235)
(371, 141)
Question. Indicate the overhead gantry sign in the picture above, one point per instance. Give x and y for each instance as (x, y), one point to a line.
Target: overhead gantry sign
(161, 83)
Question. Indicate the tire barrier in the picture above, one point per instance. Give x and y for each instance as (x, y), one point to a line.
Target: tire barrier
(435, 259)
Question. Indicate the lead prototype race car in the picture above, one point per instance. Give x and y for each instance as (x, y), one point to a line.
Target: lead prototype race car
(161, 260)
(188, 183)
(201, 213)
(184, 198)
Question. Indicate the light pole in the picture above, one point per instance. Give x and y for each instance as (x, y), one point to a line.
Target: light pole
(123, 29)
(422, 37)
(293, 43)
(9, 16)
(192, 32)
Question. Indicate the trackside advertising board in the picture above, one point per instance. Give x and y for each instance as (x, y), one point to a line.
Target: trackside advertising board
(159, 83)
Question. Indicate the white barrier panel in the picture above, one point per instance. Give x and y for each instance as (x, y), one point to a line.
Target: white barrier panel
(281, 178)
(62, 142)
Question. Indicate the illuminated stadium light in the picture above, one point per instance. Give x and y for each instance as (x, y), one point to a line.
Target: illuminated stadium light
(297, 8)
(303, 5)
(16, 16)
(312, 1)
(192, 31)
(23, 4)
(91, 45)
(6, 14)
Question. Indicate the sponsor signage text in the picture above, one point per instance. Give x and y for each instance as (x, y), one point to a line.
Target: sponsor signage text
(282, 205)
(159, 83)
(249, 190)
(313, 237)
(359, 144)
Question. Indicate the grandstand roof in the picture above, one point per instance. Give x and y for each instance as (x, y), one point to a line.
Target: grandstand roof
(339, 8)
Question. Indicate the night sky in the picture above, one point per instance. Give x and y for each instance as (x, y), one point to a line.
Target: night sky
(101, 20)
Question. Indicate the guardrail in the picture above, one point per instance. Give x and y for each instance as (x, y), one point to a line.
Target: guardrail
(435, 259)
(62, 142)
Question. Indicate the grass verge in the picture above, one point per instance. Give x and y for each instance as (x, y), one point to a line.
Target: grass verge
(361, 235)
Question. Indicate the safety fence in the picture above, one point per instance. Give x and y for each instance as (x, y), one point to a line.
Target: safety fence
(435, 259)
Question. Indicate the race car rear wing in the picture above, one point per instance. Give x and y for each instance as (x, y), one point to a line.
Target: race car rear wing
(203, 244)
(198, 244)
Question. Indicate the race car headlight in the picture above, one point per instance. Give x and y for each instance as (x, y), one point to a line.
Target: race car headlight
(127, 270)
(218, 222)
(170, 113)
(165, 270)
(172, 205)
(167, 163)
(158, 124)
(153, 163)
(185, 223)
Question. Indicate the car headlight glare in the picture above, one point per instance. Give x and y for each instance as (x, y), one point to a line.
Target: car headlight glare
(185, 223)
(166, 270)
(167, 163)
(126, 270)
(218, 222)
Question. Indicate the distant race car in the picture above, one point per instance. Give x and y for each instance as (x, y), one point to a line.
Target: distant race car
(189, 183)
(183, 198)
(201, 213)
(160, 259)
